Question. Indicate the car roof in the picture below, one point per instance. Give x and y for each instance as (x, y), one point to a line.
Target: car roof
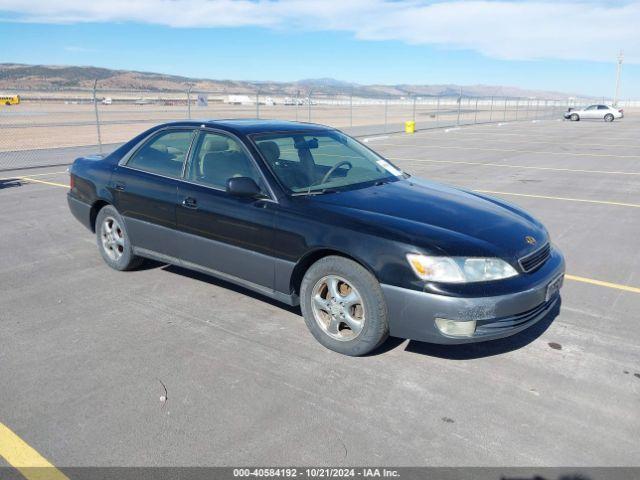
(247, 126)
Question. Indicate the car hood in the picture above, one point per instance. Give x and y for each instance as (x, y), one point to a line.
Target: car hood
(433, 216)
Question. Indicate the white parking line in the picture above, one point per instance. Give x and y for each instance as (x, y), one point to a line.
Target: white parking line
(510, 150)
(568, 199)
(556, 169)
(559, 142)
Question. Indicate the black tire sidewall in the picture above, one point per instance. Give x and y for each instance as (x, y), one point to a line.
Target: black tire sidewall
(375, 330)
(128, 260)
(608, 117)
(575, 117)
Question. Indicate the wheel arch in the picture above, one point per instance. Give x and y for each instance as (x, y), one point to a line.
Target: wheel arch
(95, 209)
(312, 257)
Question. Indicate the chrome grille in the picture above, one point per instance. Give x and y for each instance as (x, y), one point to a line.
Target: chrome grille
(536, 259)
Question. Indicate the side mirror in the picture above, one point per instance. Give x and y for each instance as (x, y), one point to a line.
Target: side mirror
(244, 187)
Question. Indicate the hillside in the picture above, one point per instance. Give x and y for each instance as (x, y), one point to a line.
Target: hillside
(51, 78)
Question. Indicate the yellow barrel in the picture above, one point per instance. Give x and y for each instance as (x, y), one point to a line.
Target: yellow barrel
(410, 126)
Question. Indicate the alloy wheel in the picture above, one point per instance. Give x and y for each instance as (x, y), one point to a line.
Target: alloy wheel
(112, 236)
(338, 308)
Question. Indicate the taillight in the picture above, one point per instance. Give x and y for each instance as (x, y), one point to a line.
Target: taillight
(621, 111)
(71, 182)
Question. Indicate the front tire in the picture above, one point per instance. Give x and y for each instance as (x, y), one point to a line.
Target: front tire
(575, 117)
(343, 306)
(608, 117)
(113, 240)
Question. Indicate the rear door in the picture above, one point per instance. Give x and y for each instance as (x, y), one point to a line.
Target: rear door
(603, 110)
(221, 232)
(145, 188)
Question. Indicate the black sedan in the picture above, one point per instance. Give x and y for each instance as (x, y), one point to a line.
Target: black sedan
(306, 215)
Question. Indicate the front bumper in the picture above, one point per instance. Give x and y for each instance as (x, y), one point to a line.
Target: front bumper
(412, 313)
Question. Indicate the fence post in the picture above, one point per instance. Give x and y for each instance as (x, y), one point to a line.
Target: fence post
(475, 116)
(537, 108)
(517, 103)
(386, 101)
(504, 116)
(95, 107)
(309, 105)
(189, 101)
(297, 103)
(351, 109)
(491, 110)
(438, 112)
(413, 113)
(459, 105)
(258, 104)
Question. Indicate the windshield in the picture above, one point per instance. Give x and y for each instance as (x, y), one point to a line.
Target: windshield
(321, 161)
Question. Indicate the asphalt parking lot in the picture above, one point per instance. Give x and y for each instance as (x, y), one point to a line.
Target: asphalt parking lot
(164, 367)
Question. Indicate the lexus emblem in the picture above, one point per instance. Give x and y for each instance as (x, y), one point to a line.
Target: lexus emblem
(530, 240)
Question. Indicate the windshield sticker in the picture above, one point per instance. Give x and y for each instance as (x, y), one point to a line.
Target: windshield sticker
(389, 168)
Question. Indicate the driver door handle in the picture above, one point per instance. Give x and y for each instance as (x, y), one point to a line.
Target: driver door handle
(190, 202)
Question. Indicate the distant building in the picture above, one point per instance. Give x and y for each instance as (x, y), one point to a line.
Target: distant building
(240, 100)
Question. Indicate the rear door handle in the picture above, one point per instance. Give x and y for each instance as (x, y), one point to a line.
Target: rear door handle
(190, 202)
(119, 186)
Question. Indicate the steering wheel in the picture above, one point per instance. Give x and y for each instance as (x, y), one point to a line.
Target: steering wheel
(334, 168)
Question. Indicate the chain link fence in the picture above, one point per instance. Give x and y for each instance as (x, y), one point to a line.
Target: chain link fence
(53, 128)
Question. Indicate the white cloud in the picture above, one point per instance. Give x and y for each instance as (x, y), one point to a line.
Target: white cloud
(508, 29)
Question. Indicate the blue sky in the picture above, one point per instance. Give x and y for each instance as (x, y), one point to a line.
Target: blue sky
(525, 44)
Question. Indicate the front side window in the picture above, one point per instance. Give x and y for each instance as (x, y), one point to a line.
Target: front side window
(591, 107)
(164, 154)
(320, 161)
(218, 158)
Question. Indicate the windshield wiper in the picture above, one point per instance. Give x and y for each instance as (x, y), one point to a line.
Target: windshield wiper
(314, 192)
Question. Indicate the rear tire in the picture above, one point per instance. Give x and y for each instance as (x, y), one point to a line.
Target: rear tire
(608, 117)
(113, 240)
(343, 306)
(575, 117)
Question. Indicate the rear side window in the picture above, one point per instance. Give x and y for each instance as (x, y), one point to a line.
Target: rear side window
(164, 154)
(603, 107)
(591, 107)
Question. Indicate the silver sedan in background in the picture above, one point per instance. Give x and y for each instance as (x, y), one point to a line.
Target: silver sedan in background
(600, 112)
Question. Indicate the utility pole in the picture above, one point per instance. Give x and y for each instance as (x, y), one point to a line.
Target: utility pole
(620, 59)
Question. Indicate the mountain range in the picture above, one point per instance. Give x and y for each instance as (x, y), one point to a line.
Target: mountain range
(26, 78)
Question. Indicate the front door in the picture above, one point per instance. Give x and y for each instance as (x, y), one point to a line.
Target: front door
(218, 231)
(145, 189)
(590, 112)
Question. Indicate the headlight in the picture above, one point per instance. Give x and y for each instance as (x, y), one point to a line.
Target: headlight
(459, 269)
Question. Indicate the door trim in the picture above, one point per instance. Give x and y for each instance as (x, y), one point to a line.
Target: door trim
(289, 299)
(169, 236)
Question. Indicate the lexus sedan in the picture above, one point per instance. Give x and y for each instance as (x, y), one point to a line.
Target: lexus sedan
(308, 216)
(599, 112)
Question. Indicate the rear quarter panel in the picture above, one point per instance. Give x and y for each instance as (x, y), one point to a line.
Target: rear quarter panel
(91, 177)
